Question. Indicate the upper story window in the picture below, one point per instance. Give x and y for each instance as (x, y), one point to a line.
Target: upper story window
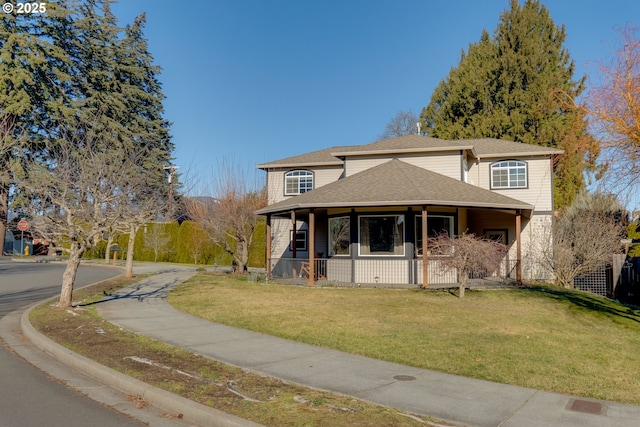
(297, 182)
(509, 174)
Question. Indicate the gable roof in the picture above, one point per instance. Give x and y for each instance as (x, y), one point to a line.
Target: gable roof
(396, 183)
(479, 148)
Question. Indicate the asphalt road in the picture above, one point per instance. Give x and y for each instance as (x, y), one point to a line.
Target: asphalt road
(28, 397)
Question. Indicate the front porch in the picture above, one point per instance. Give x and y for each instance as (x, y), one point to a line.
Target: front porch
(385, 248)
(384, 273)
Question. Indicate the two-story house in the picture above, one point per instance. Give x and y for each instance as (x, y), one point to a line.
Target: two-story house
(363, 214)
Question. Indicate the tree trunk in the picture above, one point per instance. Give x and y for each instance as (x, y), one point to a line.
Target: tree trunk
(463, 283)
(4, 209)
(242, 257)
(107, 251)
(69, 275)
(128, 271)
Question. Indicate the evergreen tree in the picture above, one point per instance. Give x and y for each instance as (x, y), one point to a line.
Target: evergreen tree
(146, 128)
(143, 97)
(110, 127)
(518, 85)
(30, 73)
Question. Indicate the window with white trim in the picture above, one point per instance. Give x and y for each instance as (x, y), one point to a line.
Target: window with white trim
(301, 240)
(297, 182)
(509, 174)
(381, 235)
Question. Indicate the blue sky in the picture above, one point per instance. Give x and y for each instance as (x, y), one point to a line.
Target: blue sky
(260, 80)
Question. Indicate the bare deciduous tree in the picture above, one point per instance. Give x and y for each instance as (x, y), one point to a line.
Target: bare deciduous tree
(143, 202)
(75, 198)
(227, 215)
(197, 239)
(111, 237)
(467, 253)
(157, 239)
(585, 237)
(403, 123)
(614, 106)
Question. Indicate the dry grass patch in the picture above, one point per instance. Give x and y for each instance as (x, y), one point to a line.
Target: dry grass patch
(265, 400)
(545, 338)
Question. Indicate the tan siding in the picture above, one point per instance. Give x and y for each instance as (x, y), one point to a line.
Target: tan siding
(474, 173)
(539, 178)
(325, 176)
(358, 164)
(275, 181)
(537, 242)
(447, 164)
(275, 186)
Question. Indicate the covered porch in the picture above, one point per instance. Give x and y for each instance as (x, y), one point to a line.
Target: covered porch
(317, 252)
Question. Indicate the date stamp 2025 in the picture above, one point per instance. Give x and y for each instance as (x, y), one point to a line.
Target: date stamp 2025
(24, 8)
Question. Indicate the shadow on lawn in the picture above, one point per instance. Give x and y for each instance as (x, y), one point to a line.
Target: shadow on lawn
(588, 302)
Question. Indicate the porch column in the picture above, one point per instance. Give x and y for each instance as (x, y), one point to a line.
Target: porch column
(294, 267)
(293, 234)
(425, 261)
(312, 246)
(518, 248)
(268, 250)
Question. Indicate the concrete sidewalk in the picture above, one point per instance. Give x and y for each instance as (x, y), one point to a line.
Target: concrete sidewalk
(143, 308)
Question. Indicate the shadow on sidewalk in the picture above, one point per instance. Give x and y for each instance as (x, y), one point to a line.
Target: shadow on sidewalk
(156, 287)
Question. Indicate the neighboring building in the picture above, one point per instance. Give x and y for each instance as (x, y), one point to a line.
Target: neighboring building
(15, 243)
(354, 214)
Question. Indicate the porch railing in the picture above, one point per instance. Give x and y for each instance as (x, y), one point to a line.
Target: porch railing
(382, 272)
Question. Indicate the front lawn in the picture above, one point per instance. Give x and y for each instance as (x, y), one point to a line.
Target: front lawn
(540, 337)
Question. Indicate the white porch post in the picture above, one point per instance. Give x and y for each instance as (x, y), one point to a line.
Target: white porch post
(425, 260)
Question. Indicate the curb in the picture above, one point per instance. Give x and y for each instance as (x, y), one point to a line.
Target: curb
(191, 411)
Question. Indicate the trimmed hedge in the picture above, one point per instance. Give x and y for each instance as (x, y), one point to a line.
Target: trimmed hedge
(186, 244)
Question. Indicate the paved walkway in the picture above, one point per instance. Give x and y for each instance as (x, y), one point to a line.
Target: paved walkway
(143, 308)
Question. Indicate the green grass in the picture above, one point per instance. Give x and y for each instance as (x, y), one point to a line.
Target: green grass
(272, 402)
(540, 337)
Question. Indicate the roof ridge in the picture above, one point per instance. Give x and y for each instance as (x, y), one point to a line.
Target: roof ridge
(408, 178)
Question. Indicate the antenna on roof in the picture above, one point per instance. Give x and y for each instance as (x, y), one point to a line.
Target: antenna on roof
(419, 125)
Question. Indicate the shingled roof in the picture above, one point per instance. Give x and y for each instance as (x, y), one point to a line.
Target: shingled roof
(479, 148)
(396, 183)
(314, 158)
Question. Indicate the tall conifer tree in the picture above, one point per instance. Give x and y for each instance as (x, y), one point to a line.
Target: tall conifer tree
(30, 72)
(518, 85)
(111, 129)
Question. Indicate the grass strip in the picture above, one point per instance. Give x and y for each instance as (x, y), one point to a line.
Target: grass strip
(236, 391)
